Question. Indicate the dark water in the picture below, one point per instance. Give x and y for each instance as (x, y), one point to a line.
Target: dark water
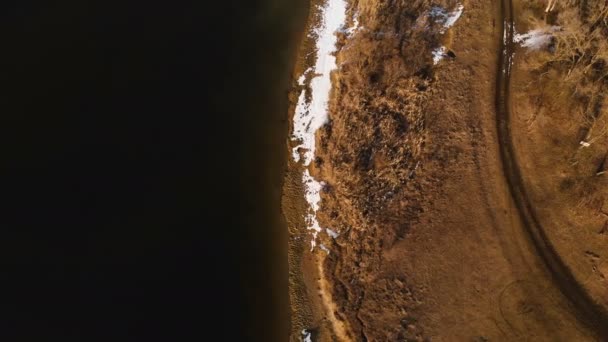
(142, 151)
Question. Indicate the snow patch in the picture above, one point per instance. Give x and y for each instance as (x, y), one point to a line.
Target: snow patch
(302, 78)
(332, 233)
(313, 197)
(447, 19)
(324, 248)
(311, 115)
(453, 16)
(438, 54)
(355, 26)
(307, 336)
(536, 39)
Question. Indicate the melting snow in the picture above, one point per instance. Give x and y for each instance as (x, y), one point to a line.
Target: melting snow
(447, 19)
(310, 116)
(536, 39)
(312, 193)
(438, 54)
(332, 233)
(453, 17)
(355, 26)
(303, 77)
(307, 335)
(324, 249)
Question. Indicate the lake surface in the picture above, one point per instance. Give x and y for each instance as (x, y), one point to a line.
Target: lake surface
(142, 152)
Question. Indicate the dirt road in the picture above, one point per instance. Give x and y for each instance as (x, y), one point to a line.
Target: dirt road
(589, 312)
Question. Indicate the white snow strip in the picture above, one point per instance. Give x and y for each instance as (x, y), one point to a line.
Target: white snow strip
(536, 39)
(310, 116)
(438, 54)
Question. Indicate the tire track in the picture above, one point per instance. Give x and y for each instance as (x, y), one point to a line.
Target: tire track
(588, 311)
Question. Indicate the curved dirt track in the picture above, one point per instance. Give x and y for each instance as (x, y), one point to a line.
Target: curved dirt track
(589, 312)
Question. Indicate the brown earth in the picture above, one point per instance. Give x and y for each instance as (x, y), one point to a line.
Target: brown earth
(431, 245)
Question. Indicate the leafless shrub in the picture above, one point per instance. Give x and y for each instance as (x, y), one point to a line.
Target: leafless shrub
(580, 54)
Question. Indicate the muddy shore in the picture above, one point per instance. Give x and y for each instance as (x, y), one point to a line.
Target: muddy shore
(307, 309)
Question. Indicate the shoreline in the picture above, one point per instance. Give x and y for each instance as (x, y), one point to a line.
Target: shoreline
(308, 292)
(293, 204)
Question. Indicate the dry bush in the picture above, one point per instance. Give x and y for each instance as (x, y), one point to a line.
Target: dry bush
(371, 151)
(570, 84)
(579, 53)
